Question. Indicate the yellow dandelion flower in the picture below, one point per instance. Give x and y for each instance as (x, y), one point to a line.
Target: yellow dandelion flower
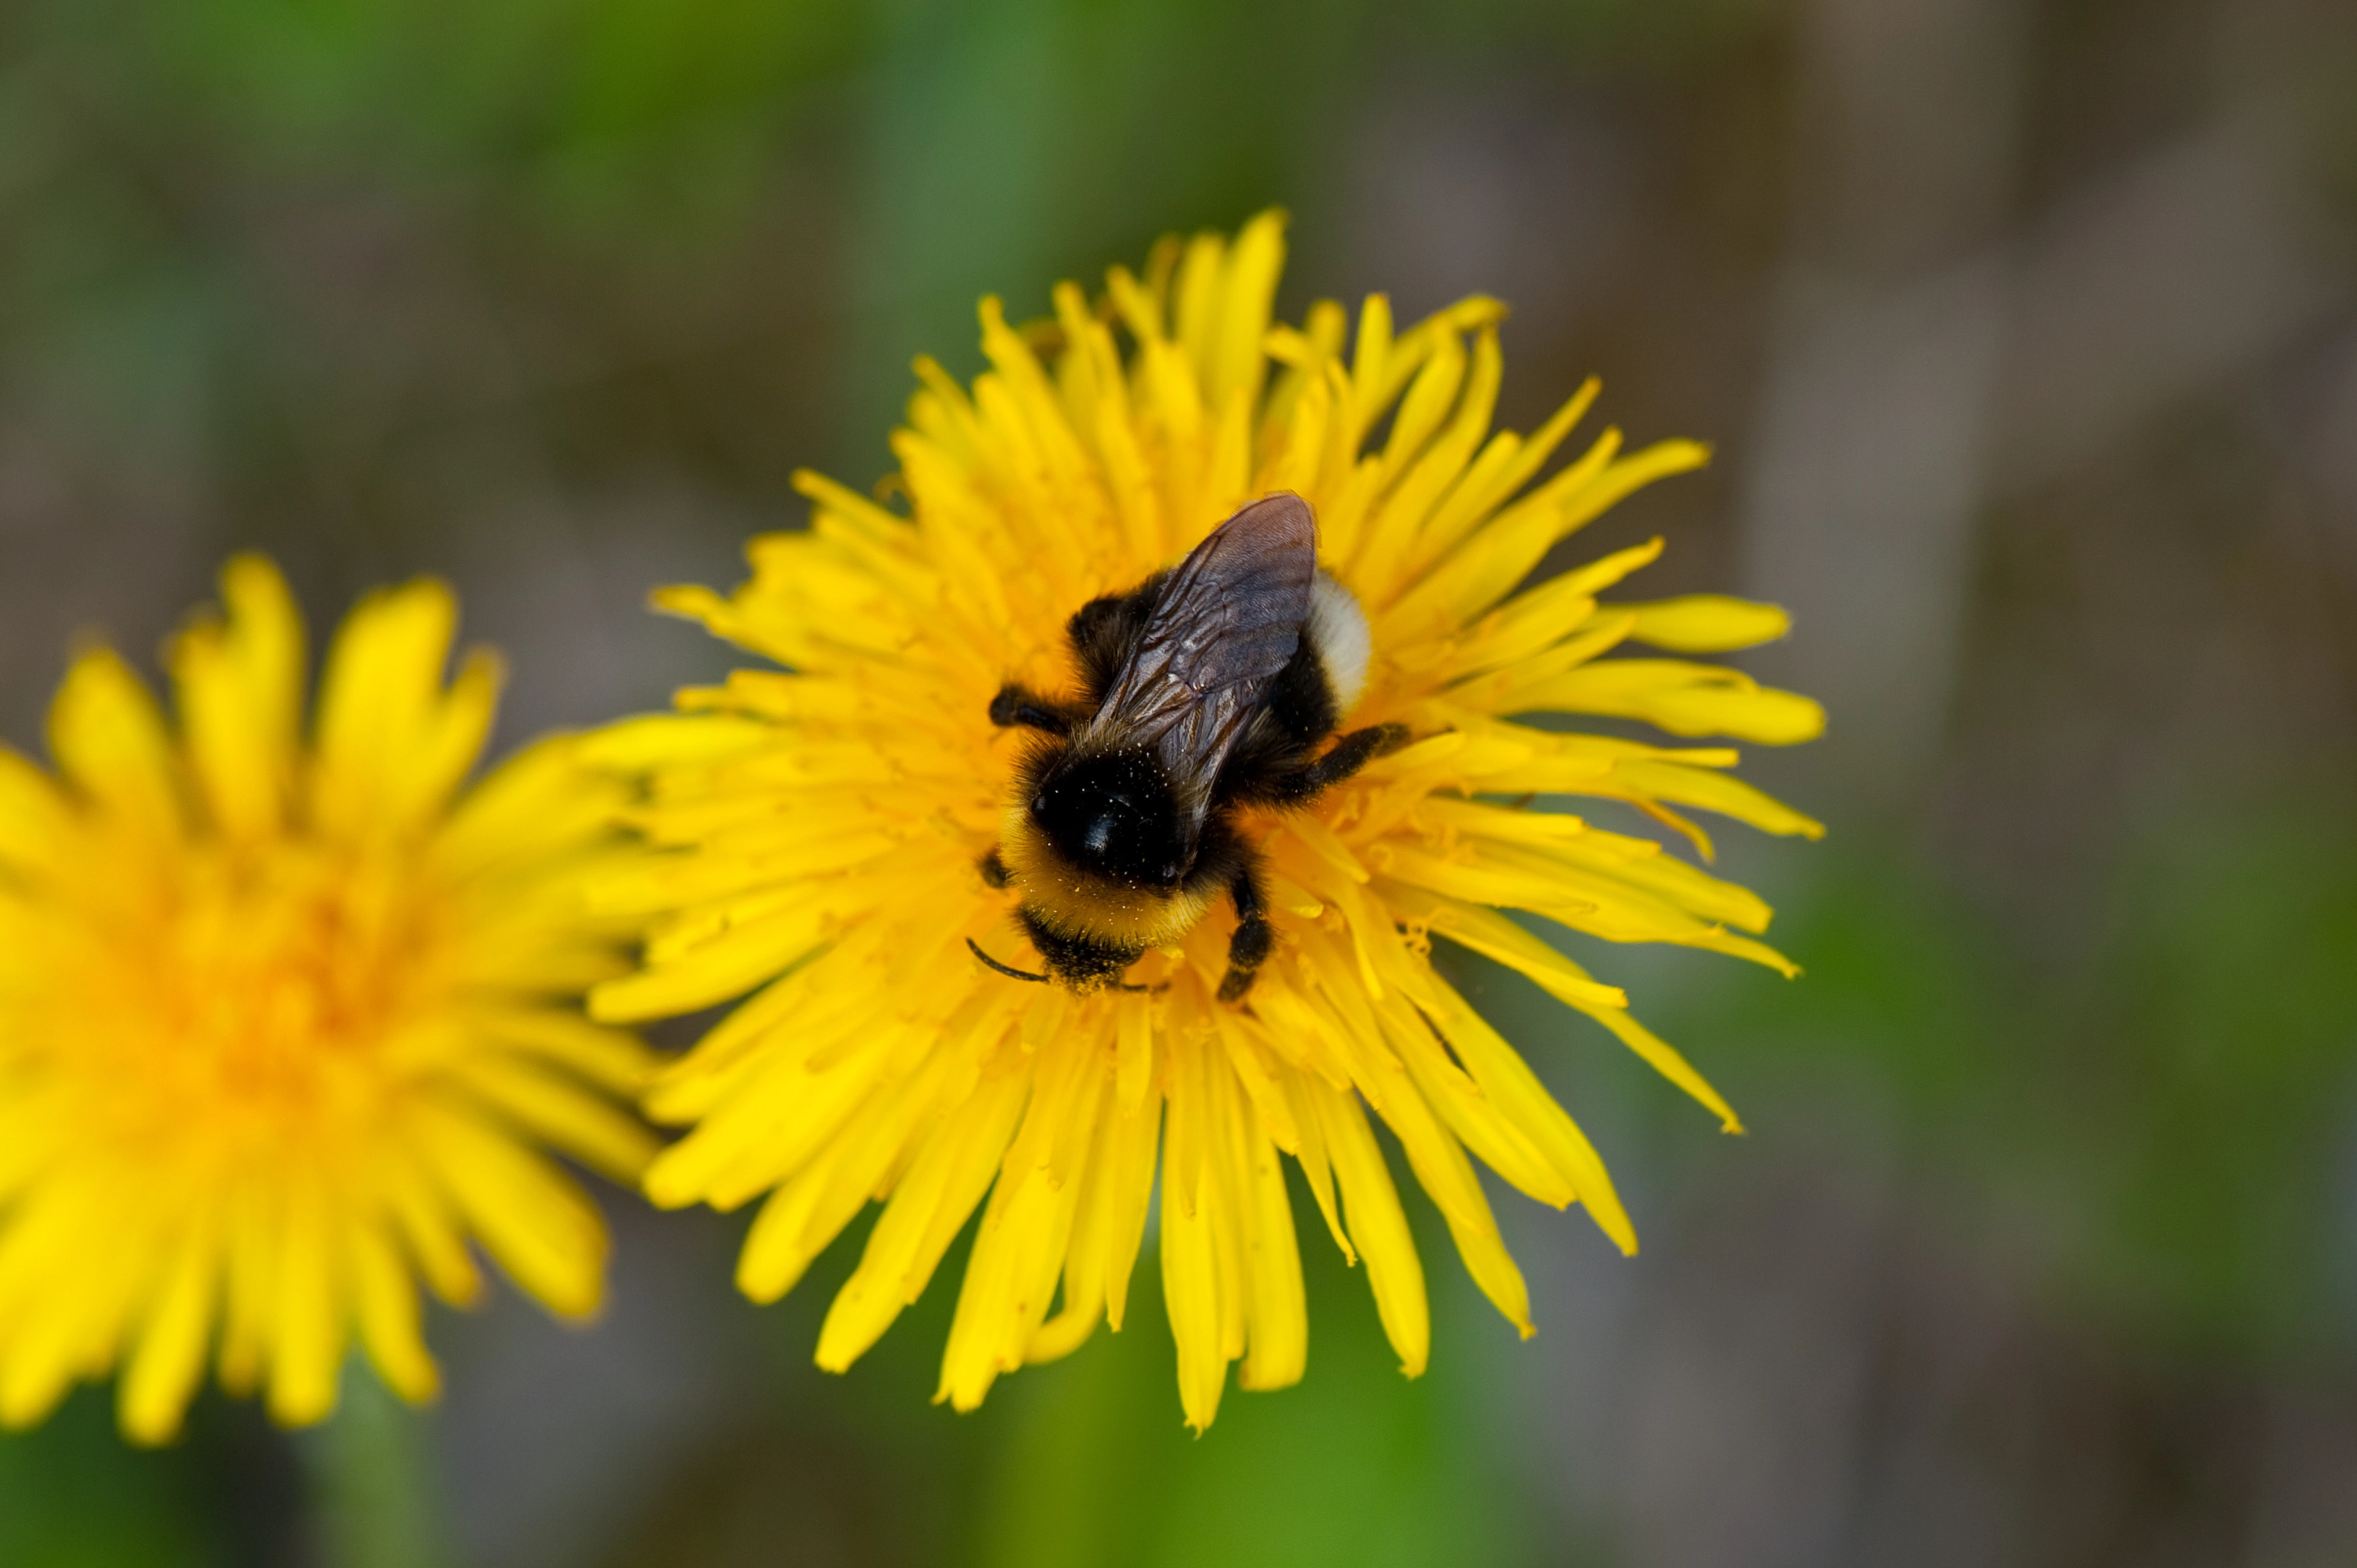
(282, 1021)
(832, 835)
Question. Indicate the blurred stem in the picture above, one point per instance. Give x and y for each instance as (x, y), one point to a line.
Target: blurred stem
(371, 1473)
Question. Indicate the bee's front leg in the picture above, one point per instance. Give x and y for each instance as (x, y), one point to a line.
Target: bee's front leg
(1019, 705)
(1249, 948)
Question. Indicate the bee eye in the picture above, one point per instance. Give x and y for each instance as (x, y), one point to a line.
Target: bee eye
(1040, 805)
(1099, 838)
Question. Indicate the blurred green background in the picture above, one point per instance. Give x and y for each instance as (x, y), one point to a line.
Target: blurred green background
(2027, 330)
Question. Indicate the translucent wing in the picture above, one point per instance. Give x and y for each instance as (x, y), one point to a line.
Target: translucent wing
(1226, 621)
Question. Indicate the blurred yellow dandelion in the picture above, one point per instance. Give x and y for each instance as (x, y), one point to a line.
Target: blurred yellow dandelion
(829, 836)
(281, 1022)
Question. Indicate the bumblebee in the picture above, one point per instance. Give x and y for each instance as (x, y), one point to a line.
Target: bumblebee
(1208, 688)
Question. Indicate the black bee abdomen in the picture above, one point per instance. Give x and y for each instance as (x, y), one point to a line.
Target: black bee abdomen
(1301, 699)
(1104, 633)
(1114, 815)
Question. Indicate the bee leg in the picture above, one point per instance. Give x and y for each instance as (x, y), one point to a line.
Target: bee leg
(1350, 752)
(1017, 706)
(1249, 948)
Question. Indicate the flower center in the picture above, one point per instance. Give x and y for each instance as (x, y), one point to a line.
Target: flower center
(258, 999)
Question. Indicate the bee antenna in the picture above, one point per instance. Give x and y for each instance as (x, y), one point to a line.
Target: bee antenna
(975, 948)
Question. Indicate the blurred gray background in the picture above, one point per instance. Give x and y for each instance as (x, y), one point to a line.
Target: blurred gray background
(2027, 332)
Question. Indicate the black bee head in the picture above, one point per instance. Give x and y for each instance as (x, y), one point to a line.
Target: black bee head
(1114, 815)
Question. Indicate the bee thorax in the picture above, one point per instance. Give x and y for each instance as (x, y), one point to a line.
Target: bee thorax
(1115, 817)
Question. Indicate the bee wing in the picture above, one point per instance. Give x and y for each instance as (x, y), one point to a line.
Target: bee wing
(1227, 620)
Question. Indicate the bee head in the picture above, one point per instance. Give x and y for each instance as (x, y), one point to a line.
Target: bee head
(1113, 814)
